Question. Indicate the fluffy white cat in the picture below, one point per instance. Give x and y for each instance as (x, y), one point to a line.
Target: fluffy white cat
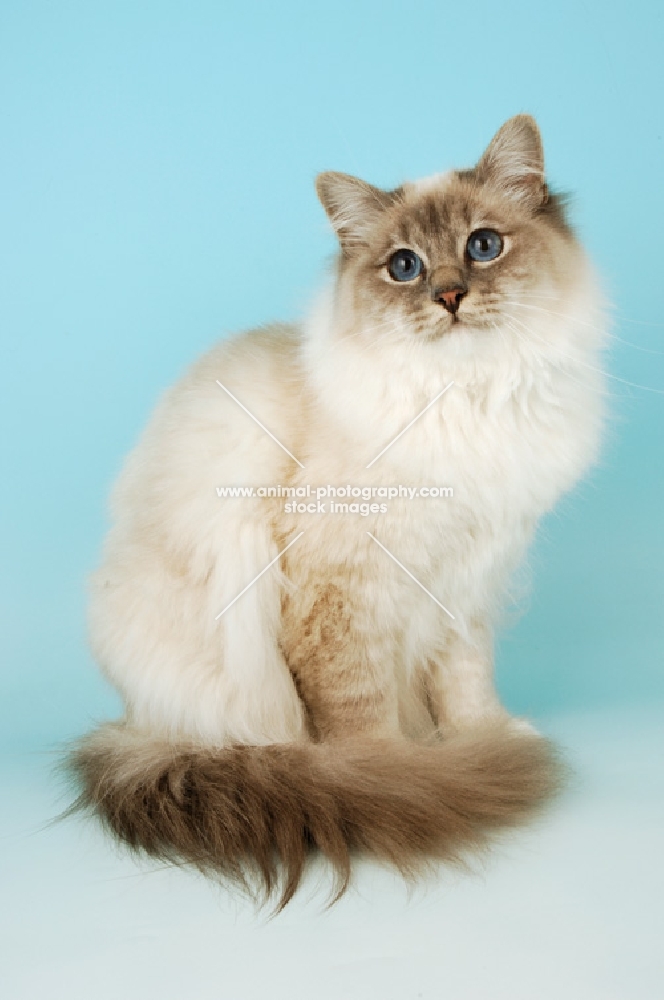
(345, 700)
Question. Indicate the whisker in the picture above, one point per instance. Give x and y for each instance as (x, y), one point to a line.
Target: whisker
(637, 347)
(591, 326)
(602, 390)
(551, 312)
(610, 307)
(584, 364)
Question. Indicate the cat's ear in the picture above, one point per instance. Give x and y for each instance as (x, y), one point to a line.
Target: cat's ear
(514, 161)
(353, 206)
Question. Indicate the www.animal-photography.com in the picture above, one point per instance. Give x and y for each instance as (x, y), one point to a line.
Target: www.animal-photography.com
(333, 408)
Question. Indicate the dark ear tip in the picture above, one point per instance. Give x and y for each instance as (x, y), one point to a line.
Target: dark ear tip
(526, 124)
(526, 120)
(320, 182)
(328, 184)
(323, 184)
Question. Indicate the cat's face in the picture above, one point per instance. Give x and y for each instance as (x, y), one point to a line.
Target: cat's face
(455, 254)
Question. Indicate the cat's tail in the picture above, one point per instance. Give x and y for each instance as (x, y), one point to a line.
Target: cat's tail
(250, 811)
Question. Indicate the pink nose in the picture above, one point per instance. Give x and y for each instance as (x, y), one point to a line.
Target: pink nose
(450, 298)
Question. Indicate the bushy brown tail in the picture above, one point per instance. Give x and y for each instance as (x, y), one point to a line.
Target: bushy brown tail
(261, 810)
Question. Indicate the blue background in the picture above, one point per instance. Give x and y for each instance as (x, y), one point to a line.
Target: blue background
(156, 184)
(156, 192)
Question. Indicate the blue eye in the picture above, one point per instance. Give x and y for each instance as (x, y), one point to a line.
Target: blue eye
(405, 265)
(484, 244)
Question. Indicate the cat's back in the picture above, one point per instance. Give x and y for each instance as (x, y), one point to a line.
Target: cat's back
(210, 429)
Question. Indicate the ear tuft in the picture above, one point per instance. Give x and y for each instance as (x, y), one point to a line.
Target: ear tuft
(514, 161)
(353, 206)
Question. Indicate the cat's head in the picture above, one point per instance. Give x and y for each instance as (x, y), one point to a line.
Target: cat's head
(456, 254)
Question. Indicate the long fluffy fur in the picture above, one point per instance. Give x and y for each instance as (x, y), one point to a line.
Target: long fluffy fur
(263, 726)
(250, 811)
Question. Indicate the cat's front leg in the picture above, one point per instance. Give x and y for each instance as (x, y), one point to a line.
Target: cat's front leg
(342, 663)
(462, 689)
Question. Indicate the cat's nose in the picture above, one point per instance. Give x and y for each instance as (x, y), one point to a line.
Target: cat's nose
(449, 296)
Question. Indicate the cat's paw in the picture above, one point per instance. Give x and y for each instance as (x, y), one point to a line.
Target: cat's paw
(521, 727)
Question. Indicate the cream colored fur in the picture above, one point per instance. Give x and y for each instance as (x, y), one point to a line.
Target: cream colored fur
(516, 430)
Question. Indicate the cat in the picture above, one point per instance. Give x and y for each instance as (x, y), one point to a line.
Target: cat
(297, 679)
